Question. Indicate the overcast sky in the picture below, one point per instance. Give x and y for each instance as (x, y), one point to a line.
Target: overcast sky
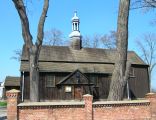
(96, 16)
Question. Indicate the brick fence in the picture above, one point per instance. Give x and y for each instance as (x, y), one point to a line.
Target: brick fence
(12, 102)
(85, 110)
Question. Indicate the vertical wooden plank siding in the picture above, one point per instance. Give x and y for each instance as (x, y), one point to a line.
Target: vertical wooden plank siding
(139, 85)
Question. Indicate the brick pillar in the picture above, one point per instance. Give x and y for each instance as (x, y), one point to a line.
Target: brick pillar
(12, 102)
(152, 98)
(88, 99)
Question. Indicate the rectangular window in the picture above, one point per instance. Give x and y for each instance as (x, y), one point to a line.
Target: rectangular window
(132, 73)
(50, 81)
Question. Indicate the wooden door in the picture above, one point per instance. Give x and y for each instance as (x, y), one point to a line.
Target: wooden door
(78, 92)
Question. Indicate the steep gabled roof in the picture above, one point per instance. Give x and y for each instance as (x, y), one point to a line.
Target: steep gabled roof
(12, 81)
(70, 67)
(67, 54)
(87, 60)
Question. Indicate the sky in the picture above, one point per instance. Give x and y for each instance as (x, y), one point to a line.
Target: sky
(96, 17)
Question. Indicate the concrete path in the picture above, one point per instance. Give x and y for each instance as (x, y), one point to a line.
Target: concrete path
(3, 113)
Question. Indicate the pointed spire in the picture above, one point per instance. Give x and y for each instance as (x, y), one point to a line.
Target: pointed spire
(75, 13)
(75, 18)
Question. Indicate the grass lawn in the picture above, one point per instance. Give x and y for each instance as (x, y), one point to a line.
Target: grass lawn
(3, 104)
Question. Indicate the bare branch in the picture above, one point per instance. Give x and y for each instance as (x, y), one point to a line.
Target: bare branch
(54, 37)
(41, 23)
(96, 41)
(152, 67)
(40, 33)
(109, 40)
(86, 41)
(148, 48)
(24, 22)
(152, 3)
(144, 51)
(148, 4)
(18, 54)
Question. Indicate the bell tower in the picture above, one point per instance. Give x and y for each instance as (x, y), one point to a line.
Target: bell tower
(75, 35)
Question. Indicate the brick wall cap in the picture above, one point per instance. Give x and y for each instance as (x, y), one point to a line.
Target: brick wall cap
(13, 91)
(51, 103)
(150, 95)
(87, 95)
(121, 102)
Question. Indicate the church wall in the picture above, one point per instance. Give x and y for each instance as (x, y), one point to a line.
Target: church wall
(139, 82)
(138, 85)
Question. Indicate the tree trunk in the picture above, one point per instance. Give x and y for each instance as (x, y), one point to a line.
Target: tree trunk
(149, 75)
(34, 76)
(120, 75)
(33, 50)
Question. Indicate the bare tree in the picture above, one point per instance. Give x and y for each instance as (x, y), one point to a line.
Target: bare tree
(107, 41)
(92, 41)
(32, 49)
(18, 54)
(145, 4)
(86, 41)
(121, 70)
(54, 37)
(96, 41)
(147, 47)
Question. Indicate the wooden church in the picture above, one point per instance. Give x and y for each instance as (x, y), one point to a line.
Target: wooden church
(69, 72)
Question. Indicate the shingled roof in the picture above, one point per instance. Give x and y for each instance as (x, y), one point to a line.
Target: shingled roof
(66, 59)
(12, 81)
